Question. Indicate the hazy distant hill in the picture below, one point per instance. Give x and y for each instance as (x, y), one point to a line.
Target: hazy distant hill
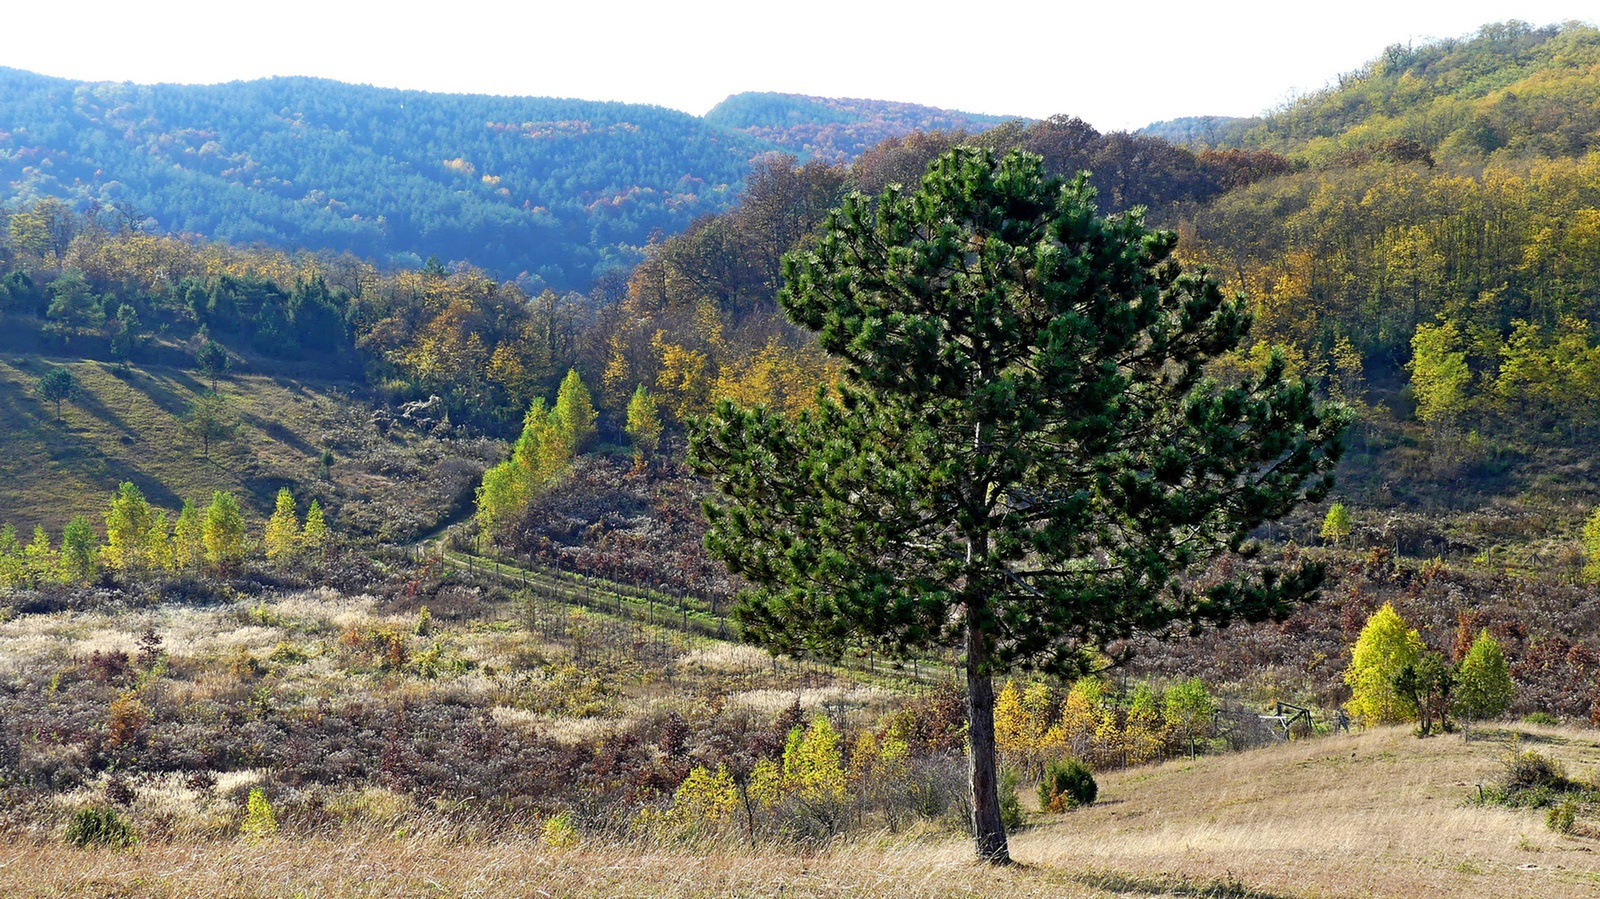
(558, 189)
(1201, 131)
(835, 129)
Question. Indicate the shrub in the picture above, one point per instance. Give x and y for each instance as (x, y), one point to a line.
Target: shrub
(260, 821)
(96, 826)
(1544, 719)
(1562, 818)
(1067, 784)
(1530, 771)
(559, 832)
(1011, 814)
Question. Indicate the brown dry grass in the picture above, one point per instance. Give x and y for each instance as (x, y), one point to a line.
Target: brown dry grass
(1374, 814)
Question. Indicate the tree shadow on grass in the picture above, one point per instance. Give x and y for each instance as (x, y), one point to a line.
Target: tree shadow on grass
(91, 404)
(171, 401)
(277, 432)
(75, 451)
(1510, 735)
(1130, 885)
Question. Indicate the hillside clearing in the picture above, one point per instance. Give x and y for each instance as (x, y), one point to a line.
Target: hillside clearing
(127, 425)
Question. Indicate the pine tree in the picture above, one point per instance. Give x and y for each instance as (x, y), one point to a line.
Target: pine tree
(58, 385)
(188, 539)
(208, 421)
(1336, 524)
(13, 569)
(1025, 457)
(1385, 647)
(128, 521)
(575, 410)
(644, 425)
(212, 361)
(80, 552)
(223, 532)
(315, 535)
(282, 538)
(1484, 688)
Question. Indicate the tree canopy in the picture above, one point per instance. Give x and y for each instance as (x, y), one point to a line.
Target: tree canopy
(1026, 457)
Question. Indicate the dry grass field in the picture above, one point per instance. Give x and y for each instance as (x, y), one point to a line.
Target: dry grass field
(1379, 813)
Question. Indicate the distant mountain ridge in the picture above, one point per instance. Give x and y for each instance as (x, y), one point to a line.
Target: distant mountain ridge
(837, 129)
(557, 191)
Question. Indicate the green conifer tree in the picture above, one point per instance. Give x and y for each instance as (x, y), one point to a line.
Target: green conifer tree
(58, 385)
(80, 552)
(188, 540)
(223, 533)
(1484, 688)
(1025, 458)
(282, 538)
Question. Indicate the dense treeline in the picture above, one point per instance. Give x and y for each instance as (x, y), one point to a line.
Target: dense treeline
(94, 284)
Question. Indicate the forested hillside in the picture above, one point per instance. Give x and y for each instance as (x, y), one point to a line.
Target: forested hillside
(1439, 232)
(555, 191)
(1510, 90)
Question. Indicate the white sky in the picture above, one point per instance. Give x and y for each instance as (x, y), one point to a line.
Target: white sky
(1115, 64)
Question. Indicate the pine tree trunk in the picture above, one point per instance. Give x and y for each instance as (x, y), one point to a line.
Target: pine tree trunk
(988, 830)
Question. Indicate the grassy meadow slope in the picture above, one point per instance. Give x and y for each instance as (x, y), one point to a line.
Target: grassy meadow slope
(127, 425)
(1379, 813)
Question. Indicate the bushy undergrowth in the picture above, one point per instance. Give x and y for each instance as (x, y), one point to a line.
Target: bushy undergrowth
(317, 705)
(1530, 779)
(1549, 630)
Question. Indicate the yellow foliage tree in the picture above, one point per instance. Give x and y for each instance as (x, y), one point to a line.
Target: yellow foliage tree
(644, 425)
(282, 538)
(188, 540)
(127, 529)
(812, 767)
(1384, 647)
